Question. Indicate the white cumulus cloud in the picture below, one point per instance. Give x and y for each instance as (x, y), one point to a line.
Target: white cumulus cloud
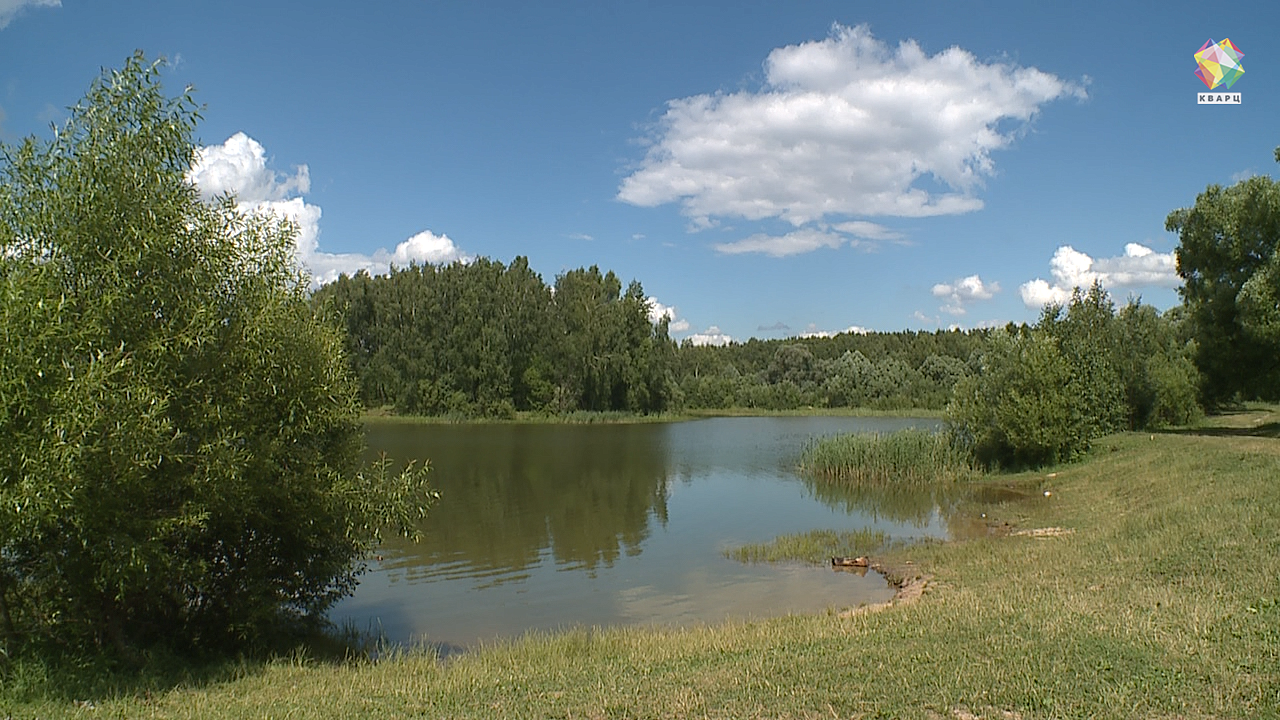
(426, 246)
(711, 336)
(9, 9)
(1139, 266)
(657, 311)
(841, 127)
(1038, 293)
(962, 291)
(239, 167)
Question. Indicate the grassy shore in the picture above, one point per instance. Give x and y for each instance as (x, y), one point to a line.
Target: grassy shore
(1152, 590)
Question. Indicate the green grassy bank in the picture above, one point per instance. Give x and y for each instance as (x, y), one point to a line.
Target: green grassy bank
(1157, 597)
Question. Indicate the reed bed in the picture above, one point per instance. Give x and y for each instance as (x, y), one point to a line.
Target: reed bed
(907, 457)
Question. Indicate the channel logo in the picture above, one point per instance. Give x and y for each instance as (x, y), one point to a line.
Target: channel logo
(1218, 64)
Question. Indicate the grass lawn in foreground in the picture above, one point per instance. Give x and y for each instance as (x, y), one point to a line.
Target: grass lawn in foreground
(1158, 598)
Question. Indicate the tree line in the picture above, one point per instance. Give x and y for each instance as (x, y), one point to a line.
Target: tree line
(1042, 393)
(887, 371)
(484, 339)
(487, 339)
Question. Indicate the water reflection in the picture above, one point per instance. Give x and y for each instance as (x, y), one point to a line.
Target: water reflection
(543, 526)
(511, 494)
(917, 507)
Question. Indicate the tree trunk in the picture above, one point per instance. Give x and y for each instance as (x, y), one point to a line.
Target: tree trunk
(8, 635)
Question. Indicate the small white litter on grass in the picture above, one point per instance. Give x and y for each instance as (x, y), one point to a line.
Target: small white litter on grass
(1043, 532)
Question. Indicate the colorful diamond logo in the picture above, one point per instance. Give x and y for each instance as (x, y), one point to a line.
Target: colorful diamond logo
(1219, 63)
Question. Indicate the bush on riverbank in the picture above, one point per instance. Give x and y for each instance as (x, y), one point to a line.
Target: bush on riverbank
(1045, 393)
(179, 439)
(914, 457)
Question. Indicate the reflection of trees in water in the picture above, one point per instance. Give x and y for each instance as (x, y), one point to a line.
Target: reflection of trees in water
(960, 507)
(511, 494)
(913, 505)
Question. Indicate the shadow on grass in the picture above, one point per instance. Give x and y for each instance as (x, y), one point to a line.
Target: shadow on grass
(65, 678)
(55, 675)
(1266, 430)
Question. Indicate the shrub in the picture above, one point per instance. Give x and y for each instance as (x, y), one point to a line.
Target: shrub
(1044, 393)
(179, 436)
(1024, 407)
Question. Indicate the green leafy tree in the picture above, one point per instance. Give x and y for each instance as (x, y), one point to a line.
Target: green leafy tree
(179, 437)
(847, 379)
(1021, 409)
(1228, 260)
(1161, 383)
(1086, 334)
(1043, 393)
(610, 356)
(792, 363)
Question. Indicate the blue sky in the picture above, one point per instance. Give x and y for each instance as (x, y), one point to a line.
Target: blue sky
(765, 169)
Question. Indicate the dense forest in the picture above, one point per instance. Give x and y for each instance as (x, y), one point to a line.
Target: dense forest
(483, 339)
(899, 370)
(487, 339)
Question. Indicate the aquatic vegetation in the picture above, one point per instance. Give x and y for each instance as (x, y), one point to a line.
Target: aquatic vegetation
(815, 546)
(914, 457)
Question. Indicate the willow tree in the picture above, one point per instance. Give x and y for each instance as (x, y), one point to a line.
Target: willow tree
(179, 437)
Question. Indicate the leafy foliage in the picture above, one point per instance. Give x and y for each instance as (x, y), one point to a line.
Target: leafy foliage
(483, 339)
(179, 436)
(1019, 410)
(1044, 393)
(1228, 259)
(891, 371)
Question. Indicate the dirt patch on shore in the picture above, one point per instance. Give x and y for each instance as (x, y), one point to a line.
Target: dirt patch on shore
(910, 586)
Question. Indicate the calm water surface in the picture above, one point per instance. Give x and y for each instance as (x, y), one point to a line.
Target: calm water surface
(541, 527)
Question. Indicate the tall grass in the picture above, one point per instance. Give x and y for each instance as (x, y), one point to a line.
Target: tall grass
(914, 457)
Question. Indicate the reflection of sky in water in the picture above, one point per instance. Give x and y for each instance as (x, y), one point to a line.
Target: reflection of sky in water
(729, 481)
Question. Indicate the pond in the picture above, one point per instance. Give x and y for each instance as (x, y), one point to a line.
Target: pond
(542, 527)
